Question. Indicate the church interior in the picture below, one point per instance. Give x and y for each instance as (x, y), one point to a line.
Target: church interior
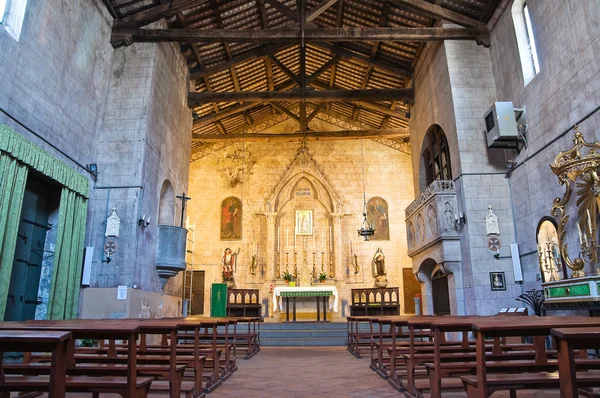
(333, 173)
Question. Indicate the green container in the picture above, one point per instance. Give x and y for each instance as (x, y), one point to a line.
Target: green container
(218, 300)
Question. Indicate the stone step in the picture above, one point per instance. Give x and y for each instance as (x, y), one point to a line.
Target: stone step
(267, 334)
(313, 341)
(303, 326)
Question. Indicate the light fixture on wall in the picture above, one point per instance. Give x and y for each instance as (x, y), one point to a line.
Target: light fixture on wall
(142, 222)
(459, 219)
(366, 230)
(92, 168)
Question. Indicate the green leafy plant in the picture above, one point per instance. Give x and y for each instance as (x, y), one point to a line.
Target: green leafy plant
(322, 277)
(288, 277)
(88, 343)
(533, 298)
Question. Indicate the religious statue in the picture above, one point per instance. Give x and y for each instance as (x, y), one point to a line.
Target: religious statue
(379, 268)
(228, 263)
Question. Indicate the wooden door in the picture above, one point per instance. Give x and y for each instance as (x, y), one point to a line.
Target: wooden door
(412, 287)
(441, 298)
(197, 293)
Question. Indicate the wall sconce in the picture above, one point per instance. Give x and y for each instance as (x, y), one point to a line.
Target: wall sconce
(142, 222)
(459, 219)
(92, 168)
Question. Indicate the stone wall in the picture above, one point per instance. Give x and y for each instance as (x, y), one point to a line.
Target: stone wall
(142, 145)
(388, 174)
(566, 90)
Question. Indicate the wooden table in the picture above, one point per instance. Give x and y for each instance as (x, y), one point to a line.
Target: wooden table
(55, 342)
(566, 341)
(90, 329)
(539, 327)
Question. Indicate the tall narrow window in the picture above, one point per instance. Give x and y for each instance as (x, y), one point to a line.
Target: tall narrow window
(531, 40)
(436, 155)
(12, 15)
(525, 40)
(2, 10)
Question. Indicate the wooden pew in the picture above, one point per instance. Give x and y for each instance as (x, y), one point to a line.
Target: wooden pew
(483, 385)
(568, 340)
(130, 385)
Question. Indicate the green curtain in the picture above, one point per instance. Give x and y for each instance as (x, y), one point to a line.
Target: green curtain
(68, 256)
(13, 177)
(27, 152)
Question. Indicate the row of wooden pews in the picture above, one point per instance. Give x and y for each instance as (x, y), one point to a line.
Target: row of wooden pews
(190, 356)
(428, 355)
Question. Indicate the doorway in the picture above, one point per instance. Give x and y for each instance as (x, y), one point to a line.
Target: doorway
(39, 202)
(197, 293)
(439, 290)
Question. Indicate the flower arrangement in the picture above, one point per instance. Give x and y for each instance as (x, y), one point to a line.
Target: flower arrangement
(322, 277)
(288, 277)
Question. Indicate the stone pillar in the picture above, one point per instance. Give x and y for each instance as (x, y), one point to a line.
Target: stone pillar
(337, 245)
(271, 237)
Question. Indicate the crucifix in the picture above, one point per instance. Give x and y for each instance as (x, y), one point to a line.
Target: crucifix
(183, 199)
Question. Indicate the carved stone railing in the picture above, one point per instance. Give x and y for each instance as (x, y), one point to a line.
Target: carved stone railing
(431, 217)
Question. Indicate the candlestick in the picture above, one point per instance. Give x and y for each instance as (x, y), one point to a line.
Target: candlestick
(294, 241)
(579, 232)
(278, 239)
(590, 222)
(585, 239)
(287, 239)
(330, 240)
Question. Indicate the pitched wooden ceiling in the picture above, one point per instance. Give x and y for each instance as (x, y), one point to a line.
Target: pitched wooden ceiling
(256, 63)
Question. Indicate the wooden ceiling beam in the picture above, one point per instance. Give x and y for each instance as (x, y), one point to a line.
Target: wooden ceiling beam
(315, 111)
(380, 94)
(284, 10)
(285, 110)
(319, 9)
(322, 69)
(345, 34)
(285, 69)
(216, 12)
(310, 135)
(156, 13)
(438, 12)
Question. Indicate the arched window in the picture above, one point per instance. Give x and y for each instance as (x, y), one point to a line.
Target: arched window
(525, 40)
(436, 155)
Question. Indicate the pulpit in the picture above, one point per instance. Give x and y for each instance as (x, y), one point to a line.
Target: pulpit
(218, 300)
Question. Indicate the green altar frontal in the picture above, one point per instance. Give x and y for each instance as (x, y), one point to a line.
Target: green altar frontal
(307, 294)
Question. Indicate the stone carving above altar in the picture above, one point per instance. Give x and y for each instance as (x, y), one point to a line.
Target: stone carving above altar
(315, 184)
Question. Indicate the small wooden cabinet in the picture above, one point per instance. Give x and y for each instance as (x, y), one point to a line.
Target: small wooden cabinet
(375, 301)
(243, 302)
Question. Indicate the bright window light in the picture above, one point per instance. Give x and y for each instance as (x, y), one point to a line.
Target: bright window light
(2, 9)
(532, 48)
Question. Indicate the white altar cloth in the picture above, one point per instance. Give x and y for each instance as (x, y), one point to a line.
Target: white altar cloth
(333, 299)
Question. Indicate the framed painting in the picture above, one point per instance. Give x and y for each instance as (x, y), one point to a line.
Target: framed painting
(304, 222)
(497, 281)
(377, 215)
(231, 219)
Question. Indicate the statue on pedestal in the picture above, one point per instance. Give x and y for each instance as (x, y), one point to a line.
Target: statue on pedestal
(228, 262)
(379, 268)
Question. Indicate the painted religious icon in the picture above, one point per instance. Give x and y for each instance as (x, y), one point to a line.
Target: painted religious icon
(497, 281)
(231, 219)
(377, 215)
(304, 222)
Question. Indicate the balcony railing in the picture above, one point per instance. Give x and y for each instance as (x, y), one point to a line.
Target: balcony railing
(431, 216)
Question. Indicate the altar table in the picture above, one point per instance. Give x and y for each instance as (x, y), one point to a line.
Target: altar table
(327, 293)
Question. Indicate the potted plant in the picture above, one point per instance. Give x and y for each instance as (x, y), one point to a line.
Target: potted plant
(287, 277)
(322, 277)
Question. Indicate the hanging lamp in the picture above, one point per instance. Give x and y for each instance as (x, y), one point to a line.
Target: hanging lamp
(366, 229)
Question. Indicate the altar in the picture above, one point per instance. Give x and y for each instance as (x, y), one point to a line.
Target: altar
(327, 294)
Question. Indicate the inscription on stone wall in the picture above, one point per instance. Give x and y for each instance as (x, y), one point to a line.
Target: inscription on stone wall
(303, 192)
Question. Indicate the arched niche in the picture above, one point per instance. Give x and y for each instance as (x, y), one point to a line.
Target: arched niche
(434, 161)
(166, 207)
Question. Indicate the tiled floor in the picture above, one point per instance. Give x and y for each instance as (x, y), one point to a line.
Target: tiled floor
(304, 372)
(316, 372)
